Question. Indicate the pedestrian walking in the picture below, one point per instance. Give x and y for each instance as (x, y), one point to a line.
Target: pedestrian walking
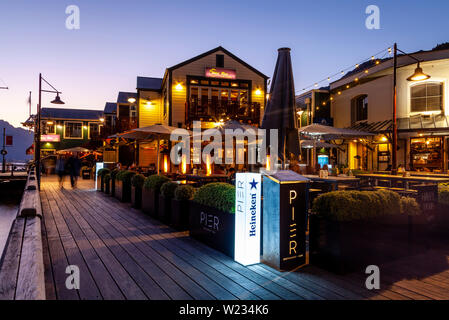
(60, 170)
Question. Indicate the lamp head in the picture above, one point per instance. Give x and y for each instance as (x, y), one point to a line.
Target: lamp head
(57, 100)
(419, 75)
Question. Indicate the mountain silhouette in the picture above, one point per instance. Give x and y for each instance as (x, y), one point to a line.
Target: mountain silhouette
(22, 139)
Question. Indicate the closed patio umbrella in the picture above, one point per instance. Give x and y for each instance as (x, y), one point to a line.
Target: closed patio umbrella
(280, 111)
(75, 149)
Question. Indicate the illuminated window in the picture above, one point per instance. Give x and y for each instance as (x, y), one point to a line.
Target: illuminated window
(426, 97)
(359, 108)
(73, 130)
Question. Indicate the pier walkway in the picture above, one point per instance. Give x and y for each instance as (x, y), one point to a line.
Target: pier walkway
(124, 254)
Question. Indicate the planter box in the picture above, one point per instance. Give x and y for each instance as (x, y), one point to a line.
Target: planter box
(180, 211)
(150, 202)
(123, 191)
(214, 227)
(164, 209)
(99, 183)
(107, 187)
(351, 246)
(112, 187)
(118, 190)
(136, 197)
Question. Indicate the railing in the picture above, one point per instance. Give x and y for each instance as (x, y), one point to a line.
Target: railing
(198, 109)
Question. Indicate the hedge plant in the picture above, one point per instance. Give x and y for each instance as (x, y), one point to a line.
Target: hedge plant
(102, 172)
(184, 192)
(360, 205)
(107, 178)
(168, 189)
(218, 195)
(155, 182)
(138, 180)
(125, 176)
(114, 173)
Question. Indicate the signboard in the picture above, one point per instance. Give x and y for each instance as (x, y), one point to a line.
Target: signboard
(50, 138)
(247, 218)
(220, 73)
(98, 166)
(285, 207)
(8, 141)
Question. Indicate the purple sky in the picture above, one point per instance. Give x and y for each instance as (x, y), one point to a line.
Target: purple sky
(119, 40)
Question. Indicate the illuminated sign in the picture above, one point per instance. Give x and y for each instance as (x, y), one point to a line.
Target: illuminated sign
(51, 138)
(98, 166)
(220, 73)
(247, 218)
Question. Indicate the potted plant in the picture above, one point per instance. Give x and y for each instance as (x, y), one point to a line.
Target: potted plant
(107, 183)
(166, 195)
(85, 172)
(123, 185)
(113, 176)
(180, 207)
(150, 193)
(353, 229)
(100, 175)
(212, 219)
(136, 190)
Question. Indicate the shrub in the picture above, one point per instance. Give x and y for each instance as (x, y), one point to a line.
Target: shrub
(119, 175)
(184, 192)
(168, 189)
(107, 178)
(114, 173)
(357, 205)
(443, 194)
(138, 180)
(218, 195)
(102, 172)
(155, 182)
(125, 176)
(409, 206)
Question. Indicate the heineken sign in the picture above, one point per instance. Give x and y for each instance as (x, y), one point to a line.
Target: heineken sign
(247, 218)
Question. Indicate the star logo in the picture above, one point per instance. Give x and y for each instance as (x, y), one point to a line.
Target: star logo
(253, 184)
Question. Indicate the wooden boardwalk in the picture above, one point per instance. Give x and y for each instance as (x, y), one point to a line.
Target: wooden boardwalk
(124, 254)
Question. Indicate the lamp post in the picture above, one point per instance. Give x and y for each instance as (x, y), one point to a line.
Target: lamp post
(418, 75)
(37, 133)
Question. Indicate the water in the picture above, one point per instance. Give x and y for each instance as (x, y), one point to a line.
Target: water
(10, 195)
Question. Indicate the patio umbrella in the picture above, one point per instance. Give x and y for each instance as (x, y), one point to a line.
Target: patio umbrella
(160, 131)
(280, 111)
(317, 144)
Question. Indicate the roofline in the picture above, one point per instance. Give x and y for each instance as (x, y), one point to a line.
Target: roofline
(219, 48)
(311, 91)
(388, 64)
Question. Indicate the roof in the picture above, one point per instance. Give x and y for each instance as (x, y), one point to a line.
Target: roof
(110, 107)
(147, 83)
(124, 96)
(78, 114)
(219, 48)
(415, 123)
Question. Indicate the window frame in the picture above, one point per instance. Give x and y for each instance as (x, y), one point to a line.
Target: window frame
(88, 128)
(440, 81)
(354, 108)
(77, 138)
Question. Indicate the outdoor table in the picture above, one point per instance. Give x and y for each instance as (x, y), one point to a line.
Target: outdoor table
(405, 180)
(335, 180)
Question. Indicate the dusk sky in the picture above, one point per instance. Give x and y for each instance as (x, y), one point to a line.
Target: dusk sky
(119, 40)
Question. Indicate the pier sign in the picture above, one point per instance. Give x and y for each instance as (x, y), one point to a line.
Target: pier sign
(248, 188)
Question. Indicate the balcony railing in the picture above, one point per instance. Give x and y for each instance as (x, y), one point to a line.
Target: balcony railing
(198, 109)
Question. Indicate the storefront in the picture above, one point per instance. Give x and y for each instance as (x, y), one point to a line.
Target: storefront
(427, 153)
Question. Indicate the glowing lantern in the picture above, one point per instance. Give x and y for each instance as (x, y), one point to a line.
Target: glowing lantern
(268, 162)
(165, 164)
(208, 166)
(183, 164)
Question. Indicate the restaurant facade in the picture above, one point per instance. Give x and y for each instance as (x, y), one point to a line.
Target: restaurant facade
(363, 100)
(212, 87)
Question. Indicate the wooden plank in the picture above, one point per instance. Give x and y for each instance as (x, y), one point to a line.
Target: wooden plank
(58, 257)
(50, 290)
(10, 260)
(148, 285)
(189, 278)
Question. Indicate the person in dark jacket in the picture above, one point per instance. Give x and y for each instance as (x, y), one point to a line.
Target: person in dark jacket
(74, 165)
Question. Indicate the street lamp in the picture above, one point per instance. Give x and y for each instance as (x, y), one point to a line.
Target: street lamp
(37, 133)
(418, 75)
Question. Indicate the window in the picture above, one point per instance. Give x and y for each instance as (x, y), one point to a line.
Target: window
(426, 97)
(219, 60)
(359, 108)
(73, 130)
(94, 130)
(50, 127)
